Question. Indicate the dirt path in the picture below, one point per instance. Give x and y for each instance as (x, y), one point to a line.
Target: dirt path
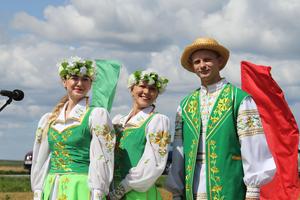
(13, 168)
(16, 196)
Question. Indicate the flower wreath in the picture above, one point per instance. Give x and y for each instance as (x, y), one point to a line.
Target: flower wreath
(152, 78)
(76, 66)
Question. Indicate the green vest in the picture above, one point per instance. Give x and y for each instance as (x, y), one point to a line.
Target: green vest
(70, 149)
(130, 147)
(224, 170)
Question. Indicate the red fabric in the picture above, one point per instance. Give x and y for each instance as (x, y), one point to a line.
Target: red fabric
(280, 128)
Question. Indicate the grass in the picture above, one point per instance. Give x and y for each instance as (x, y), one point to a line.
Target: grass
(14, 184)
(11, 163)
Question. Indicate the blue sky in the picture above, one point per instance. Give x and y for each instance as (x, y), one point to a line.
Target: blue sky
(35, 35)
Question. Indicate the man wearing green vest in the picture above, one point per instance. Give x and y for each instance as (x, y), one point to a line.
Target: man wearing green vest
(219, 150)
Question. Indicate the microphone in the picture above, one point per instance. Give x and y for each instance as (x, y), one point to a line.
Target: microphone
(16, 95)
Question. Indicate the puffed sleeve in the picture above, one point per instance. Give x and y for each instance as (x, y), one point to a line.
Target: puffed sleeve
(258, 163)
(40, 158)
(154, 158)
(101, 152)
(175, 178)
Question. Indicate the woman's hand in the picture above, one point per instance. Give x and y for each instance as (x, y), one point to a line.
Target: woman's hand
(117, 194)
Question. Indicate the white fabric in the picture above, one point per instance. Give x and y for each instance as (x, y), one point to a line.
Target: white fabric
(258, 163)
(152, 163)
(101, 155)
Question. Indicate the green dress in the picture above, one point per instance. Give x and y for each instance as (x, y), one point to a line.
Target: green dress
(129, 150)
(69, 162)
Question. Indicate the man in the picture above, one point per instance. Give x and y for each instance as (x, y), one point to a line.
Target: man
(219, 150)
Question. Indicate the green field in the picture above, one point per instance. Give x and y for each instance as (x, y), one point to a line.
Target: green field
(14, 187)
(11, 163)
(15, 184)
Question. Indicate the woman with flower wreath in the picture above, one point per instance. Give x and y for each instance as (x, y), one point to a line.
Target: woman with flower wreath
(73, 149)
(142, 141)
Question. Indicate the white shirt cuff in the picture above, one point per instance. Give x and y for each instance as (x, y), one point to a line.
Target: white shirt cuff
(37, 195)
(96, 194)
(125, 185)
(252, 192)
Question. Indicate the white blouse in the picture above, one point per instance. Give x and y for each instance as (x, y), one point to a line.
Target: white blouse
(154, 158)
(258, 163)
(101, 149)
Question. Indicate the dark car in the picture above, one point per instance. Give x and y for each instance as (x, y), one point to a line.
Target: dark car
(28, 161)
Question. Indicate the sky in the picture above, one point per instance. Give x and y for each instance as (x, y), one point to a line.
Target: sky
(149, 35)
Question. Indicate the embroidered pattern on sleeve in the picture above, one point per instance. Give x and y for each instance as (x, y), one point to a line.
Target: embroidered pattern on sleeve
(107, 133)
(249, 123)
(162, 139)
(38, 135)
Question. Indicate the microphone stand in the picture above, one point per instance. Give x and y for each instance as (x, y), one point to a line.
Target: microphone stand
(7, 102)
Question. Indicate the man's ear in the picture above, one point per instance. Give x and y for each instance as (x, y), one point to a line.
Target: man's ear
(220, 61)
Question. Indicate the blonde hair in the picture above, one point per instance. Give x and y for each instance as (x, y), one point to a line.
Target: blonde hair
(55, 113)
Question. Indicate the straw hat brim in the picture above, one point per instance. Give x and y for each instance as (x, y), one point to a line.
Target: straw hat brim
(205, 45)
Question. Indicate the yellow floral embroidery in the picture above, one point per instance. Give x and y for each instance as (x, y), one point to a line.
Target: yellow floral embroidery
(67, 134)
(191, 109)
(38, 134)
(62, 197)
(214, 170)
(223, 105)
(108, 135)
(161, 138)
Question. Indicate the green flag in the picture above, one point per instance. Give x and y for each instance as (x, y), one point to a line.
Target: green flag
(105, 83)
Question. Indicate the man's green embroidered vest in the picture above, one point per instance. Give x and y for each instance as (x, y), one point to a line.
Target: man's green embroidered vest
(224, 170)
(70, 149)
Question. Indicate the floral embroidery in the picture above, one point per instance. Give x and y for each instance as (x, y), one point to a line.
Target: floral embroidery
(66, 135)
(191, 110)
(52, 135)
(161, 138)
(191, 163)
(62, 197)
(108, 135)
(60, 156)
(65, 181)
(248, 123)
(223, 104)
(38, 135)
(80, 112)
(214, 170)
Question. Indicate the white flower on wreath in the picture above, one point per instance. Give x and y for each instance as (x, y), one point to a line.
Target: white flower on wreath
(151, 81)
(83, 71)
(145, 73)
(131, 81)
(75, 59)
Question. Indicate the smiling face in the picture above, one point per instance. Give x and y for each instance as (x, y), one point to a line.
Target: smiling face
(143, 95)
(206, 65)
(77, 87)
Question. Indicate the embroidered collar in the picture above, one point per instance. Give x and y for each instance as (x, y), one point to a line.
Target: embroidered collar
(76, 113)
(138, 119)
(214, 87)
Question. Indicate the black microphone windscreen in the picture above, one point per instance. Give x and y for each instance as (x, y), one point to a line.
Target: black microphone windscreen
(18, 95)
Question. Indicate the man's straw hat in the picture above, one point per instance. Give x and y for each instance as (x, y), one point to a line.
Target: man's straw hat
(203, 43)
